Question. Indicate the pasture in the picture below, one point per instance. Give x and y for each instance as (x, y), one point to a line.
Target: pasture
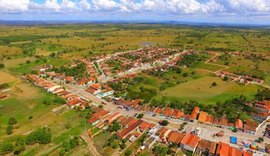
(201, 90)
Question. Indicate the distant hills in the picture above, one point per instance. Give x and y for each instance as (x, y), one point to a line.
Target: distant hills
(197, 24)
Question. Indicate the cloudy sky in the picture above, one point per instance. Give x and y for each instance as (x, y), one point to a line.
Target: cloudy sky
(218, 11)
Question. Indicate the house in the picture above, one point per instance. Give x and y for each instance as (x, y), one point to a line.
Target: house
(238, 124)
(202, 117)
(97, 116)
(175, 137)
(177, 114)
(167, 112)
(94, 88)
(133, 136)
(209, 119)
(111, 118)
(223, 149)
(74, 103)
(250, 126)
(263, 106)
(129, 129)
(194, 114)
(162, 133)
(144, 126)
(189, 142)
(158, 110)
(204, 146)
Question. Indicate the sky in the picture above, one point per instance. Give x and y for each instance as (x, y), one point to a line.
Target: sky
(207, 11)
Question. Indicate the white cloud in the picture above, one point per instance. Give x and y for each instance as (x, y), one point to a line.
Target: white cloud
(68, 4)
(84, 5)
(104, 4)
(14, 5)
(143, 7)
(52, 5)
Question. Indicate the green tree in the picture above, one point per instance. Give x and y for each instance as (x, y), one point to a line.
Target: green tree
(6, 148)
(164, 122)
(2, 65)
(9, 129)
(19, 146)
(139, 116)
(12, 121)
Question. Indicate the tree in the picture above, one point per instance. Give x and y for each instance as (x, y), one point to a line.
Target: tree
(6, 148)
(160, 151)
(123, 146)
(2, 65)
(114, 127)
(139, 116)
(12, 121)
(9, 129)
(128, 153)
(41, 136)
(260, 139)
(164, 122)
(214, 84)
(19, 146)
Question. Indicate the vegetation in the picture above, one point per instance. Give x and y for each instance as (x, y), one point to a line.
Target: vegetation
(41, 136)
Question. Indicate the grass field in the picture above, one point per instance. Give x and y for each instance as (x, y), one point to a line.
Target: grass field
(201, 90)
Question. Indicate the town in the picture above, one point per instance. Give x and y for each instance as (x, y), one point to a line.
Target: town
(198, 132)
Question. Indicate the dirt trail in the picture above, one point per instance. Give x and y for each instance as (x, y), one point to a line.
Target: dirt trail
(90, 144)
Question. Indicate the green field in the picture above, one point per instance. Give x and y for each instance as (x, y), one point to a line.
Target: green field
(202, 91)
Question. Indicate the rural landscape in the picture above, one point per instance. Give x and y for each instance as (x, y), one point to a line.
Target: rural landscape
(134, 89)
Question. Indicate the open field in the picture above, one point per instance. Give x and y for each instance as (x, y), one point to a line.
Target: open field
(202, 91)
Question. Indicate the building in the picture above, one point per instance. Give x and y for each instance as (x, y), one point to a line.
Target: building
(189, 142)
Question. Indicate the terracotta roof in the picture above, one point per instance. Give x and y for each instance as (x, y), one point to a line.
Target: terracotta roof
(209, 119)
(223, 149)
(202, 116)
(131, 122)
(74, 102)
(239, 124)
(175, 137)
(126, 131)
(194, 113)
(95, 86)
(235, 152)
(190, 140)
(113, 117)
(167, 111)
(144, 126)
(158, 110)
(177, 114)
(250, 125)
(206, 144)
(247, 154)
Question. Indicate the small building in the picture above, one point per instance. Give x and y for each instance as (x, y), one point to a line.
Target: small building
(189, 142)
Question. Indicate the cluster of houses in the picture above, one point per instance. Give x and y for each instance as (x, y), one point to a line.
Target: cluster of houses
(72, 100)
(239, 78)
(262, 109)
(100, 90)
(91, 70)
(134, 128)
(140, 58)
(247, 126)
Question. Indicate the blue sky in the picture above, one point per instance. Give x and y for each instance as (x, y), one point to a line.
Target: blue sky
(217, 11)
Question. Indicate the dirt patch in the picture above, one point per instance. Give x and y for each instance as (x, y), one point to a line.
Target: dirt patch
(6, 77)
